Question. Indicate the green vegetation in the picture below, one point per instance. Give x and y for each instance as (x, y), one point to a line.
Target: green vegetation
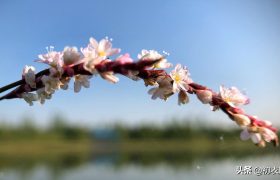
(61, 145)
(58, 129)
(62, 138)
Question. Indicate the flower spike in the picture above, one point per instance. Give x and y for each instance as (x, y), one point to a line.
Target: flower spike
(94, 59)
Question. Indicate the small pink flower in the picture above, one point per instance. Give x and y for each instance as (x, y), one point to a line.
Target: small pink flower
(103, 48)
(181, 80)
(51, 84)
(255, 137)
(96, 52)
(29, 76)
(149, 55)
(233, 96)
(89, 53)
(124, 59)
(153, 55)
(29, 97)
(52, 58)
(43, 95)
(109, 76)
(267, 134)
(81, 80)
(259, 135)
(164, 89)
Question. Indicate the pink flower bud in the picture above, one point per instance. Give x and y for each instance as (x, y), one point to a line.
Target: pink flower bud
(245, 135)
(267, 123)
(29, 76)
(124, 59)
(268, 135)
(183, 98)
(70, 55)
(256, 138)
(241, 120)
(109, 76)
(205, 96)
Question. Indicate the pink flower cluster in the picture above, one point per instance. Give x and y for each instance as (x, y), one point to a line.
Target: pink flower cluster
(95, 59)
(228, 99)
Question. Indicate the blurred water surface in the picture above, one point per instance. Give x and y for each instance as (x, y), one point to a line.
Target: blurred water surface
(127, 167)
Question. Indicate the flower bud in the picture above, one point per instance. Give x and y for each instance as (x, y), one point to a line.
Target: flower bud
(261, 144)
(241, 120)
(29, 76)
(124, 59)
(245, 135)
(256, 138)
(183, 98)
(109, 76)
(205, 96)
(268, 135)
(267, 123)
(70, 55)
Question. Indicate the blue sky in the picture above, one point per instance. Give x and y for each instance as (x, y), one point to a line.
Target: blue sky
(235, 43)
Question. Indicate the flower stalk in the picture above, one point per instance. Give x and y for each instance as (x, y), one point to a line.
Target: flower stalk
(94, 60)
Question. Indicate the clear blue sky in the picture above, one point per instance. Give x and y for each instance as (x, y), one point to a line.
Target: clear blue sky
(221, 42)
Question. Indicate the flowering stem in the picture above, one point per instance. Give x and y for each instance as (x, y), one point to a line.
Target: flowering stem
(12, 85)
(149, 68)
(79, 70)
(19, 83)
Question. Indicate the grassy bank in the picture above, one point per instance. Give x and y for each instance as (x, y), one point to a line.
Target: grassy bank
(62, 138)
(193, 146)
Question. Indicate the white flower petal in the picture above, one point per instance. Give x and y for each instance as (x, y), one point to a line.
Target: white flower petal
(29, 76)
(233, 95)
(181, 79)
(268, 135)
(256, 137)
(244, 135)
(94, 43)
(111, 52)
(77, 87)
(152, 90)
(86, 84)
